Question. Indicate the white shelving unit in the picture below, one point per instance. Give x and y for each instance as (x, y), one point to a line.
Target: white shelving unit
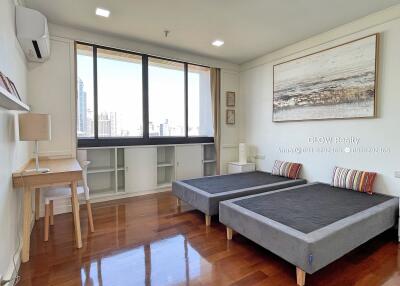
(165, 165)
(209, 160)
(120, 170)
(117, 172)
(106, 170)
(10, 102)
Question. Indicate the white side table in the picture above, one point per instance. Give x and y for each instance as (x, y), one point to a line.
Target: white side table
(237, 167)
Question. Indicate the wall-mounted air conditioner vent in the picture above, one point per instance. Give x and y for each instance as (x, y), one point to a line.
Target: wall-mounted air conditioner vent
(33, 34)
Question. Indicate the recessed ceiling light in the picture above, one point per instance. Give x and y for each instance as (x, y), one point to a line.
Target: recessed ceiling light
(217, 43)
(102, 12)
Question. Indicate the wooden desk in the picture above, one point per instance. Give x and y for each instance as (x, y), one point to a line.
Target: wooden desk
(62, 172)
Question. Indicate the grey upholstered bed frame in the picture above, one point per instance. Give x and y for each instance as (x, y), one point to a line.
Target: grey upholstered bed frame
(208, 203)
(311, 251)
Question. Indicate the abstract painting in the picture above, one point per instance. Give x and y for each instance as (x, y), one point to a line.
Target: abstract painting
(336, 83)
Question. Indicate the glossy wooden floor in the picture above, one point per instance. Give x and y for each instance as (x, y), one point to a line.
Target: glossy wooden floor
(148, 241)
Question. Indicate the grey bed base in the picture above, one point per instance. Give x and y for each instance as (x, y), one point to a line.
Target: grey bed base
(309, 252)
(208, 203)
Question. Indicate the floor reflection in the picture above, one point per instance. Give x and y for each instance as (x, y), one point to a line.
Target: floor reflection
(171, 261)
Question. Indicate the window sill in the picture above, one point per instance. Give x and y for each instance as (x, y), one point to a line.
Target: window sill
(112, 142)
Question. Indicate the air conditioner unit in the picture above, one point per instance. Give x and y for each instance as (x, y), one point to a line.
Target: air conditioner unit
(33, 34)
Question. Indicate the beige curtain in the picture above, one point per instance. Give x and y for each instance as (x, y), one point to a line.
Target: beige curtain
(216, 110)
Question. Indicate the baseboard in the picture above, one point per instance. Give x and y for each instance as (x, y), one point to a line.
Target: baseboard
(12, 271)
(65, 206)
(229, 146)
(128, 195)
(15, 261)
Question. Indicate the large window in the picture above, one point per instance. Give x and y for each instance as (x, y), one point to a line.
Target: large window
(166, 98)
(126, 98)
(119, 93)
(85, 94)
(199, 102)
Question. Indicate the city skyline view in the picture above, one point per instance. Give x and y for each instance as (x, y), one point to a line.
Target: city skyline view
(120, 98)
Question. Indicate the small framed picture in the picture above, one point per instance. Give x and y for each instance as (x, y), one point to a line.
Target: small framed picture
(230, 98)
(230, 116)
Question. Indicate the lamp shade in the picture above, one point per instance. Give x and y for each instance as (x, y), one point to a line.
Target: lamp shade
(34, 127)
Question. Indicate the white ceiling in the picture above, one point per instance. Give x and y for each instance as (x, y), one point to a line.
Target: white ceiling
(250, 28)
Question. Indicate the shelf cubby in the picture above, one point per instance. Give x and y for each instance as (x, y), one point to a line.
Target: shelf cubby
(121, 181)
(106, 172)
(165, 165)
(120, 158)
(101, 159)
(165, 176)
(209, 153)
(165, 156)
(209, 160)
(101, 183)
(209, 169)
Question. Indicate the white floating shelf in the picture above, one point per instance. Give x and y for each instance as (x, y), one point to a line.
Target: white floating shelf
(10, 102)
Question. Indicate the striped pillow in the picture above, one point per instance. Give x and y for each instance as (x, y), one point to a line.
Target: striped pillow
(286, 169)
(353, 180)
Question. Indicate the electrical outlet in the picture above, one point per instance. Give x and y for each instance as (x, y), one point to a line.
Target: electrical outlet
(397, 174)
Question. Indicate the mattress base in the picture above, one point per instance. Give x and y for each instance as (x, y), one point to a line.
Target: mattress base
(314, 250)
(208, 203)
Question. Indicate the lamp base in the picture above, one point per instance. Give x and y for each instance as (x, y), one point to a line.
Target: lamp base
(38, 171)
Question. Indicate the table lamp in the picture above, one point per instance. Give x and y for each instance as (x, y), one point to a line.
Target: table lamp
(35, 127)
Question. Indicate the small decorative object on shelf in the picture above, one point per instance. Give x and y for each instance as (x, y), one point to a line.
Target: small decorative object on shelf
(230, 98)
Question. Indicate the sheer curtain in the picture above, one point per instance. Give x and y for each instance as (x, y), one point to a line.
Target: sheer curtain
(216, 111)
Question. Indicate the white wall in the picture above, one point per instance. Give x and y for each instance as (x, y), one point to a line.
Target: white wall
(256, 89)
(229, 133)
(52, 87)
(13, 154)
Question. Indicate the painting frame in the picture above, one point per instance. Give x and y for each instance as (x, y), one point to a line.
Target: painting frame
(230, 117)
(375, 89)
(230, 99)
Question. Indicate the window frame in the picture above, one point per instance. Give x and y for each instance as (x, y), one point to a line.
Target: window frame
(97, 141)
